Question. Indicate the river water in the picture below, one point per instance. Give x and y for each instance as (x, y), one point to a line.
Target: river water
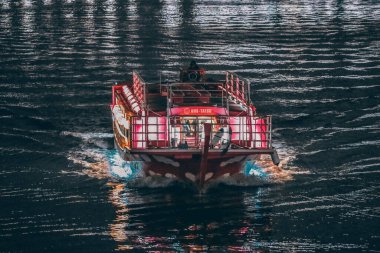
(314, 66)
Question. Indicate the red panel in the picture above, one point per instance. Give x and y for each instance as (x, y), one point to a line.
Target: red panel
(261, 128)
(198, 111)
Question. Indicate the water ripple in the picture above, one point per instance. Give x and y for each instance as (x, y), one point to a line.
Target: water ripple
(313, 65)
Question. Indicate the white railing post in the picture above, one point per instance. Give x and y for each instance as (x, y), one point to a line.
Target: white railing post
(237, 90)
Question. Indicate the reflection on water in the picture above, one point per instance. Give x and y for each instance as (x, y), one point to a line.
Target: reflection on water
(155, 214)
(184, 222)
(117, 229)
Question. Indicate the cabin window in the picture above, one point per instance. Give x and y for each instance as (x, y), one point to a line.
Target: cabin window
(187, 131)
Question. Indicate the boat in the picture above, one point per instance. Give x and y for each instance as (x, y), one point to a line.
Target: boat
(195, 129)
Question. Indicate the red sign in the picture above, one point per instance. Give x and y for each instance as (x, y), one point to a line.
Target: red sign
(198, 111)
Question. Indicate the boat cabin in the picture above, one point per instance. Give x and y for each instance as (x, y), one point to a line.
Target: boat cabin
(172, 115)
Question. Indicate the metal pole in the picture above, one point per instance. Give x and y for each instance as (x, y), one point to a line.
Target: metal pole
(206, 146)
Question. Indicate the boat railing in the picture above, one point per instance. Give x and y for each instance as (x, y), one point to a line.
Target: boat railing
(244, 132)
(250, 132)
(139, 88)
(195, 93)
(237, 88)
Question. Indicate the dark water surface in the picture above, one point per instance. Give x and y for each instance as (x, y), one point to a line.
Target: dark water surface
(314, 65)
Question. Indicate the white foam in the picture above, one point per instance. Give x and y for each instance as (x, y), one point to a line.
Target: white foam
(87, 136)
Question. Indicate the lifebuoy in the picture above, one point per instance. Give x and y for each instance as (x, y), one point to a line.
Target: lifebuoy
(227, 142)
(217, 137)
(222, 139)
(193, 75)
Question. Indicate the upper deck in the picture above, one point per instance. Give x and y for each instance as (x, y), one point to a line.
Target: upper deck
(232, 94)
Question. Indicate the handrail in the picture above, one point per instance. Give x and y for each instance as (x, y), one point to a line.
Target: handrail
(237, 88)
(247, 132)
(139, 88)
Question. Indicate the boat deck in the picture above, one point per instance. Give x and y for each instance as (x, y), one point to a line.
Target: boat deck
(160, 96)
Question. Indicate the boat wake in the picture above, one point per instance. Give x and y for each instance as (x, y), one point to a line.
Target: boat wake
(107, 164)
(259, 173)
(95, 159)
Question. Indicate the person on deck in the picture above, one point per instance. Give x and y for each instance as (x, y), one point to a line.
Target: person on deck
(194, 72)
(193, 66)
